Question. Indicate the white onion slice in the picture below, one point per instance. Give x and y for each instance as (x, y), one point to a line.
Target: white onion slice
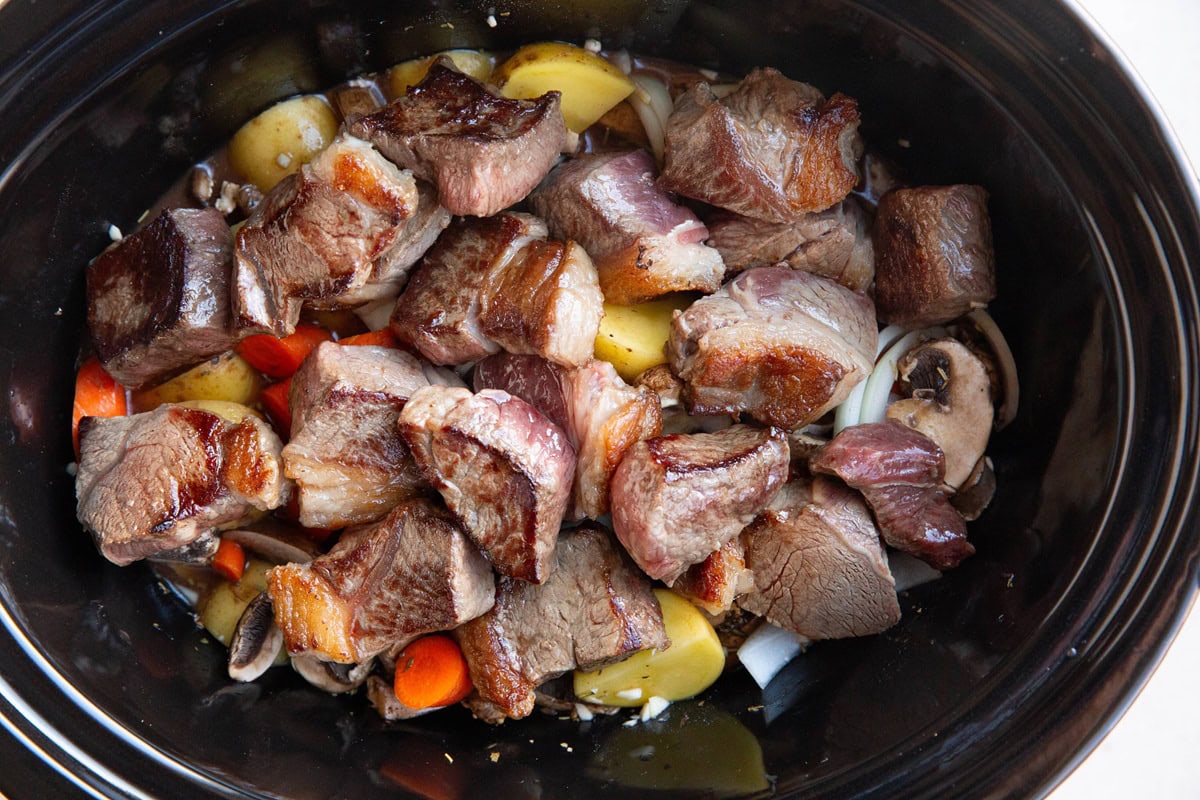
(376, 314)
(768, 650)
(849, 413)
(909, 571)
(879, 385)
(653, 105)
(1005, 363)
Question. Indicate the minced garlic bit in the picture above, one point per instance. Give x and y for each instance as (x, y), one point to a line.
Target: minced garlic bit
(491, 20)
(284, 160)
(592, 45)
(114, 233)
(583, 712)
(494, 756)
(630, 694)
(449, 757)
(653, 707)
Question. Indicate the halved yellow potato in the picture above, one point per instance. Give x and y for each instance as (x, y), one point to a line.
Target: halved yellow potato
(228, 378)
(279, 140)
(633, 338)
(222, 607)
(690, 665)
(590, 86)
(476, 63)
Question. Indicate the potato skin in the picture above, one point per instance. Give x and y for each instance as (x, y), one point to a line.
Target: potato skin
(228, 378)
(476, 63)
(590, 86)
(278, 141)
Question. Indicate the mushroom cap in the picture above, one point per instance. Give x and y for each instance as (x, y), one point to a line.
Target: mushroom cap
(951, 403)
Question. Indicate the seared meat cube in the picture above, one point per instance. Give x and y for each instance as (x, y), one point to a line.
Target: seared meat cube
(676, 499)
(493, 283)
(601, 414)
(594, 609)
(819, 567)
(502, 468)
(412, 572)
(317, 235)
(163, 481)
(835, 244)
(414, 238)
(900, 473)
(158, 302)
(482, 151)
(345, 454)
(608, 417)
(934, 258)
(781, 345)
(643, 243)
(717, 581)
(773, 149)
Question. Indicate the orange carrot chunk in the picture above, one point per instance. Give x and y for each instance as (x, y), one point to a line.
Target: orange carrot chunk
(380, 338)
(431, 672)
(274, 401)
(96, 395)
(279, 358)
(230, 560)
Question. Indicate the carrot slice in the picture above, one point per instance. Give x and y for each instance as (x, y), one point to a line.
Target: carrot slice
(379, 338)
(96, 395)
(431, 672)
(279, 358)
(230, 560)
(274, 401)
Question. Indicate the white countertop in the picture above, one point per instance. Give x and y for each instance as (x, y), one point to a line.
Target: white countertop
(1153, 753)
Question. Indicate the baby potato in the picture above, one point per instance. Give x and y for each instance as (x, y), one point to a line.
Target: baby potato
(228, 377)
(590, 86)
(476, 63)
(222, 607)
(690, 665)
(276, 142)
(633, 338)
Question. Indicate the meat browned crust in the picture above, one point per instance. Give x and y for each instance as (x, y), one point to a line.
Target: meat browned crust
(157, 482)
(502, 468)
(593, 610)
(676, 499)
(482, 151)
(158, 301)
(412, 572)
(773, 149)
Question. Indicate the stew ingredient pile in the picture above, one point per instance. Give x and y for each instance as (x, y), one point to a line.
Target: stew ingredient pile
(545, 383)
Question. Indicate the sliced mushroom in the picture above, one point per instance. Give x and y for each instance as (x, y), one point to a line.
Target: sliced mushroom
(332, 677)
(276, 546)
(257, 641)
(383, 698)
(950, 403)
(976, 492)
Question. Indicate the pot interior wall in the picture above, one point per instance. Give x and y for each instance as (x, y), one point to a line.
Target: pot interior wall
(129, 97)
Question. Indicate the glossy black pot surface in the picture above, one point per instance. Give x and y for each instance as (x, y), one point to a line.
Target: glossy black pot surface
(999, 678)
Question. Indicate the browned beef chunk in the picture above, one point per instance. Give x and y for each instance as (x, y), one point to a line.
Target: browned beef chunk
(414, 238)
(835, 244)
(900, 472)
(496, 283)
(773, 149)
(502, 468)
(934, 258)
(482, 151)
(594, 610)
(601, 414)
(317, 235)
(348, 459)
(412, 572)
(157, 482)
(717, 581)
(158, 302)
(781, 345)
(643, 243)
(819, 567)
(676, 499)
